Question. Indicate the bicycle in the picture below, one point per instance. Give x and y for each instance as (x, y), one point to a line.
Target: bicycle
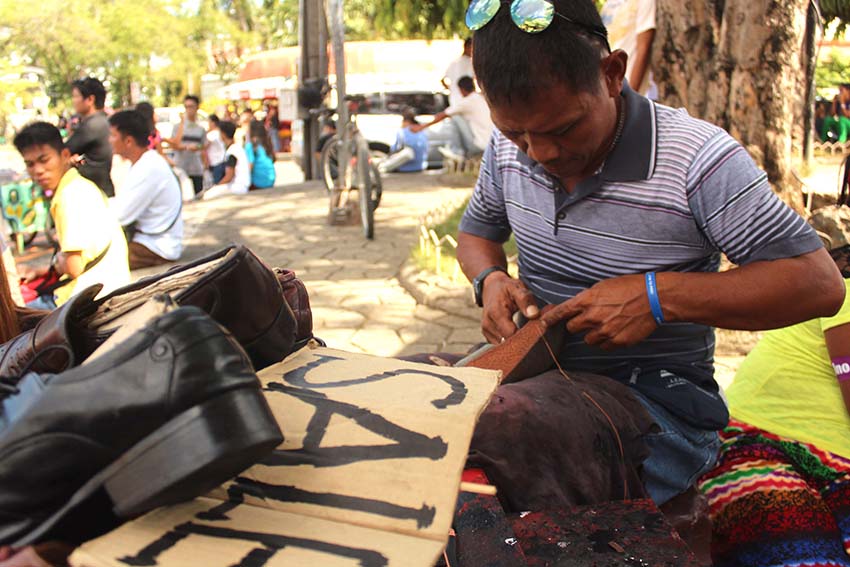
(359, 174)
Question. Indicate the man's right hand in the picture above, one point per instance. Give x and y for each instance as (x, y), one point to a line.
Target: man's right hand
(502, 297)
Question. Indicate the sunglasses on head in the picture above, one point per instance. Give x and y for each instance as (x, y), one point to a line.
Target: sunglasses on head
(531, 16)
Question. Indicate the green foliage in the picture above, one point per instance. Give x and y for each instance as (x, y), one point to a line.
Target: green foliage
(833, 10)
(153, 43)
(448, 257)
(830, 72)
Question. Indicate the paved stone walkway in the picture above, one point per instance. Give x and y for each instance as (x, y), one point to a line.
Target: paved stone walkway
(358, 302)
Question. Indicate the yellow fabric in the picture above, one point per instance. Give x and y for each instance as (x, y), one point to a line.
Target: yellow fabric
(84, 224)
(787, 386)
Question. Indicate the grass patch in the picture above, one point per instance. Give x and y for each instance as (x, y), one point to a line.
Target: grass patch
(427, 259)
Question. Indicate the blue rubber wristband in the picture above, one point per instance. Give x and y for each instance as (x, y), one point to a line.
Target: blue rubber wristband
(654, 302)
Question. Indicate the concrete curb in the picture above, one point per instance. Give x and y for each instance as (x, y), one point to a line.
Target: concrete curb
(438, 292)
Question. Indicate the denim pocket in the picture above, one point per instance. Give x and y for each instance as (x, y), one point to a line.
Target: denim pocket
(679, 454)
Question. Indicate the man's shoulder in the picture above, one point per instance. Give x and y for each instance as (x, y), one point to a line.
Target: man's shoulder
(502, 149)
(152, 163)
(77, 190)
(98, 122)
(677, 127)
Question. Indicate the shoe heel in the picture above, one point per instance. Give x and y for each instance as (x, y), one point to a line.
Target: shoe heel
(193, 453)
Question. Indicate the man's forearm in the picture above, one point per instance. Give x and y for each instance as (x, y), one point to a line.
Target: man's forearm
(476, 254)
(759, 296)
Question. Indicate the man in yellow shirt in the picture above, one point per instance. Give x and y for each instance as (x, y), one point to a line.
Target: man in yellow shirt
(92, 247)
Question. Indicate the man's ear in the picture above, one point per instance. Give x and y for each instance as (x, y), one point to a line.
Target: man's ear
(65, 154)
(614, 71)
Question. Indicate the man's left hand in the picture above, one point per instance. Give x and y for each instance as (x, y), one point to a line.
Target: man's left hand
(615, 313)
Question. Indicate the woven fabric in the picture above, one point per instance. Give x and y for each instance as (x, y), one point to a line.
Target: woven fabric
(774, 501)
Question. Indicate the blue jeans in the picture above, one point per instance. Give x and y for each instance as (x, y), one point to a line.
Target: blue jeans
(42, 302)
(217, 172)
(679, 453)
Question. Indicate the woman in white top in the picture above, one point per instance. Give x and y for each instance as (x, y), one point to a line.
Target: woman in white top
(215, 149)
(237, 170)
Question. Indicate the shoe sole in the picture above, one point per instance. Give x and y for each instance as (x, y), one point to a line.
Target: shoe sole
(190, 455)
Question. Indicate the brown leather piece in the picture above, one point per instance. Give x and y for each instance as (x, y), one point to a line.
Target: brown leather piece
(295, 294)
(524, 354)
(47, 347)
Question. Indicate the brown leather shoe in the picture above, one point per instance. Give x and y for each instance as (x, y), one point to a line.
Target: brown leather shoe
(49, 346)
(232, 285)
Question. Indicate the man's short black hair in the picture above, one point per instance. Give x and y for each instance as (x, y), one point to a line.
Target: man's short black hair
(39, 134)
(192, 98)
(466, 83)
(512, 65)
(214, 119)
(91, 86)
(227, 128)
(131, 123)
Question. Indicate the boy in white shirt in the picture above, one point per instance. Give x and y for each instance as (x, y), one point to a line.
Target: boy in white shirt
(150, 203)
(237, 169)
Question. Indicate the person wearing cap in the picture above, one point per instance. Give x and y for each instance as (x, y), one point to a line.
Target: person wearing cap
(621, 209)
(409, 152)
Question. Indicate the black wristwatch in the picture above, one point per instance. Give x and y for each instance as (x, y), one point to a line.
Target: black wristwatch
(478, 283)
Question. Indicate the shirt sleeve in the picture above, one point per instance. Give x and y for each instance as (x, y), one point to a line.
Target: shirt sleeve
(840, 318)
(231, 160)
(645, 16)
(738, 212)
(457, 108)
(485, 215)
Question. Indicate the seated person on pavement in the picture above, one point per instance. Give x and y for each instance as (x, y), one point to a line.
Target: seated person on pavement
(237, 169)
(621, 209)
(786, 451)
(470, 123)
(409, 152)
(150, 204)
(260, 154)
(92, 248)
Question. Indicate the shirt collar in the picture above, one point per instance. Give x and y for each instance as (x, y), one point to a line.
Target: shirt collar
(633, 158)
(70, 176)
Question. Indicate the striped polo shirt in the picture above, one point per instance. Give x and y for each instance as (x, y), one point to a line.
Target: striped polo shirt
(674, 194)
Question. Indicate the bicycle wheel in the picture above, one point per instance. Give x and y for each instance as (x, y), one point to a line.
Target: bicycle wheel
(377, 185)
(364, 188)
(328, 163)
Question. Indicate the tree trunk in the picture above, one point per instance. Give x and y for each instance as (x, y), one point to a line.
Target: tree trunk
(739, 64)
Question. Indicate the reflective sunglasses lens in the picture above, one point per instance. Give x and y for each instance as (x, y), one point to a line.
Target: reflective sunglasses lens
(480, 12)
(532, 16)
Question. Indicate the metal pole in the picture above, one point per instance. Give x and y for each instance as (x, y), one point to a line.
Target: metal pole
(312, 38)
(337, 32)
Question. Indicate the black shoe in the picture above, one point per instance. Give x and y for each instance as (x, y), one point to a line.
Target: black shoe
(166, 415)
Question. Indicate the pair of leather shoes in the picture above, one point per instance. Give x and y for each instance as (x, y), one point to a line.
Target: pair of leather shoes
(165, 415)
(233, 285)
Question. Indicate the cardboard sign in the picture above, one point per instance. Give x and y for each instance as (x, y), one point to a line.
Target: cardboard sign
(368, 473)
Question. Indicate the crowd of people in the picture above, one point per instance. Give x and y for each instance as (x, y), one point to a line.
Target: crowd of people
(621, 209)
(108, 224)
